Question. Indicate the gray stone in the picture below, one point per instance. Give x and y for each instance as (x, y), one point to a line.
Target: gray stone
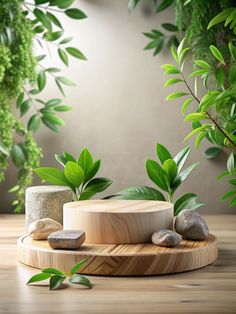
(166, 238)
(66, 239)
(191, 225)
(46, 201)
(40, 229)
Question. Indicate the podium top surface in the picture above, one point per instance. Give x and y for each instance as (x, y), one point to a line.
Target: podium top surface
(119, 206)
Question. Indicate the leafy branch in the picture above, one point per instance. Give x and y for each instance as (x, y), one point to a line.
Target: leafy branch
(168, 176)
(78, 174)
(57, 277)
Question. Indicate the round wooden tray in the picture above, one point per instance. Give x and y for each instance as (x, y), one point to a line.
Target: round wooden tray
(121, 259)
(118, 221)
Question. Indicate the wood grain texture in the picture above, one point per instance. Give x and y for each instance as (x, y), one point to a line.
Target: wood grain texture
(122, 259)
(210, 289)
(118, 221)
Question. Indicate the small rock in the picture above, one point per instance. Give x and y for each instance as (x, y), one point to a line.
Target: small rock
(66, 239)
(191, 225)
(40, 229)
(166, 238)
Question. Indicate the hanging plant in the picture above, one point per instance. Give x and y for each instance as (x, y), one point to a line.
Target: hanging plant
(23, 26)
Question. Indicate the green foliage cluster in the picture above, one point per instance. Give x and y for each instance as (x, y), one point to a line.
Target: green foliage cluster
(78, 174)
(24, 24)
(17, 65)
(57, 277)
(167, 175)
(215, 117)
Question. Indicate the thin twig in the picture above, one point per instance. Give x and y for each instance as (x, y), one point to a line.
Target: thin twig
(207, 113)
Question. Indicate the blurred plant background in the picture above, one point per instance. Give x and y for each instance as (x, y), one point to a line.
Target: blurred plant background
(25, 28)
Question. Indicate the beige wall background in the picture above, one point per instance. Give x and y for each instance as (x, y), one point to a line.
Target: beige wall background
(119, 109)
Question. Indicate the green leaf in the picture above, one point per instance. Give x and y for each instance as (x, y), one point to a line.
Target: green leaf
(4, 149)
(41, 80)
(171, 170)
(93, 169)
(157, 174)
(169, 27)
(62, 108)
(43, 18)
(162, 153)
(54, 20)
(132, 4)
(81, 280)
(159, 46)
(217, 54)
(181, 157)
(233, 201)
(74, 173)
(53, 118)
(25, 106)
(76, 53)
(34, 123)
(213, 152)
(53, 102)
(65, 81)
(194, 131)
(52, 175)
(53, 271)
(185, 105)
(228, 194)
(63, 4)
(66, 40)
(165, 4)
(75, 14)
(197, 116)
(172, 81)
(38, 277)
(51, 36)
(85, 161)
(186, 201)
(203, 64)
(176, 95)
(19, 99)
(17, 155)
(49, 124)
(170, 67)
(153, 44)
(56, 281)
(139, 192)
(198, 72)
(61, 159)
(69, 157)
(231, 163)
(182, 176)
(220, 76)
(95, 186)
(174, 54)
(199, 138)
(77, 266)
(63, 56)
(220, 17)
(52, 70)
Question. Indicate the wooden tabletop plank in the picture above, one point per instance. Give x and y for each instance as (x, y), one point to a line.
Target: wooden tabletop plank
(208, 290)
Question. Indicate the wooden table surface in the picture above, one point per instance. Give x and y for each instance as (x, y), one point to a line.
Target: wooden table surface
(208, 290)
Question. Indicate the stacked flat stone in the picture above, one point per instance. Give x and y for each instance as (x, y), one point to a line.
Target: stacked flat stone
(46, 201)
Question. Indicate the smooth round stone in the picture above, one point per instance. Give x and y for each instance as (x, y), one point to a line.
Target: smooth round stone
(167, 238)
(46, 201)
(191, 225)
(40, 229)
(66, 239)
